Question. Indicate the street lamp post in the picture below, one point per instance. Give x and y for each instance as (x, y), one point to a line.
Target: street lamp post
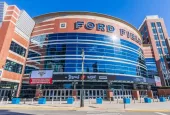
(82, 88)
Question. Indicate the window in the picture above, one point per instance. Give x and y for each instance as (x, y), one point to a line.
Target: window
(156, 37)
(145, 28)
(160, 50)
(13, 66)
(158, 44)
(17, 49)
(162, 37)
(160, 30)
(163, 43)
(158, 24)
(153, 24)
(154, 31)
(165, 50)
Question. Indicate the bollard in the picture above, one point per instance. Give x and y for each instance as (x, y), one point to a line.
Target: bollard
(32, 101)
(7, 100)
(153, 99)
(117, 100)
(2, 100)
(157, 99)
(90, 101)
(60, 100)
(24, 100)
(140, 99)
(52, 101)
(110, 100)
(134, 100)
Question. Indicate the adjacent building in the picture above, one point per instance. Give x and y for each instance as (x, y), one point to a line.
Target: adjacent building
(156, 47)
(15, 30)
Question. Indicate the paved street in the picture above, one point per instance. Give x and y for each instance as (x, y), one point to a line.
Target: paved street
(53, 112)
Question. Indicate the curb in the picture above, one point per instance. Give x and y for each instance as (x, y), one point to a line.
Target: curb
(38, 108)
(146, 110)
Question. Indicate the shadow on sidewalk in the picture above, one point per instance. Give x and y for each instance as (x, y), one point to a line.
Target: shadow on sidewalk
(8, 112)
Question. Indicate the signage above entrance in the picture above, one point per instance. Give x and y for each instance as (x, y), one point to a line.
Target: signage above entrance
(106, 28)
(98, 26)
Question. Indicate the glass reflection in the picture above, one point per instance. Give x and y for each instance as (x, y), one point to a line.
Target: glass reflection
(103, 54)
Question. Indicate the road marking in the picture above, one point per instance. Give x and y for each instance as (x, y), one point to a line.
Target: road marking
(161, 113)
(101, 113)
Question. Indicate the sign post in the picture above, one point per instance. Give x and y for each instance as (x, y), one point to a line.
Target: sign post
(123, 96)
(82, 78)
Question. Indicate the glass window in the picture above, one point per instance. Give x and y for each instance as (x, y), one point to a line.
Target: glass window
(154, 31)
(160, 51)
(145, 28)
(160, 30)
(163, 43)
(162, 37)
(102, 54)
(13, 66)
(156, 37)
(17, 49)
(158, 24)
(158, 44)
(152, 24)
(165, 50)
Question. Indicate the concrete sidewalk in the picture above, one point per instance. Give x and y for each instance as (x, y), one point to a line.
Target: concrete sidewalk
(106, 106)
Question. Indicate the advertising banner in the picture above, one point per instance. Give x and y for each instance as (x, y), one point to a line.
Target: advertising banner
(102, 77)
(41, 77)
(85, 77)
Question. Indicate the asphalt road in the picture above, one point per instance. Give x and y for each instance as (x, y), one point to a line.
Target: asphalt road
(53, 112)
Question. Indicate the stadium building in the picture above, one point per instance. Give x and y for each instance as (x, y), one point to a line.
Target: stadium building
(103, 51)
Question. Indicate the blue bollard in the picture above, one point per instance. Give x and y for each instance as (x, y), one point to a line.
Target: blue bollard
(42, 101)
(15, 100)
(99, 101)
(126, 100)
(162, 99)
(147, 100)
(70, 100)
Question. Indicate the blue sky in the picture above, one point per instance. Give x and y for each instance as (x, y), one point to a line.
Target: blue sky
(132, 11)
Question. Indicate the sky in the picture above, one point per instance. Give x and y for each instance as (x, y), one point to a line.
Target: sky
(132, 11)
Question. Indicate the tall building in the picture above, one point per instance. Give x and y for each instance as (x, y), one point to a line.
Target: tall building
(156, 47)
(15, 30)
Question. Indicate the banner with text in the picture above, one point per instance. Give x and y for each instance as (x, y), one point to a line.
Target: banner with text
(41, 77)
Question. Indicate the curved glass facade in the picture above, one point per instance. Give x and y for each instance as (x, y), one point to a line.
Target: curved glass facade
(103, 55)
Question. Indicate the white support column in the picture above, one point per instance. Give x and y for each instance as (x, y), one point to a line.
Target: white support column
(95, 93)
(64, 94)
(103, 95)
(45, 94)
(4, 93)
(53, 94)
(0, 92)
(49, 94)
(100, 93)
(119, 94)
(61, 92)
